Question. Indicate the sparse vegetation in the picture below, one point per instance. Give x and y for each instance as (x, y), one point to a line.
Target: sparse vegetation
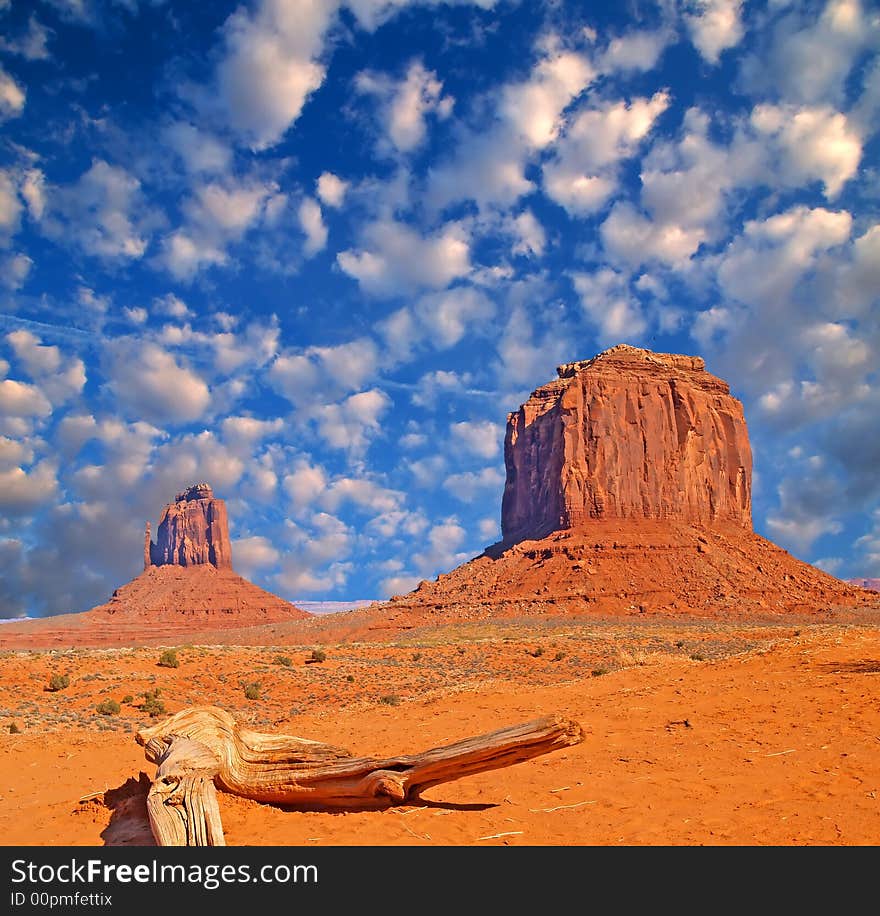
(559, 656)
(598, 672)
(317, 656)
(127, 700)
(252, 691)
(168, 659)
(537, 652)
(349, 678)
(416, 656)
(108, 708)
(696, 657)
(14, 729)
(152, 705)
(391, 699)
(284, 660)
(58, 682)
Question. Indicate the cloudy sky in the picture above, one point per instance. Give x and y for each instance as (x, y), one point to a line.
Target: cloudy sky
(313, 251)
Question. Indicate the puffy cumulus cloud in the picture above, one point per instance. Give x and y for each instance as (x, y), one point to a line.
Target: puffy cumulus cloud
(635, 238)
(331, 189)
(353, 423)
(305, 483)
(806, 509)
(581, 176)
(840, 363)
(332, 371)
(12, 97)
(243, 433)
(765, 262)
(489, 528)
(59, 378)
(30, 43)
(534, 108)
(525, 351)
(442, 545)
(10, 205)
(397, 522)
(104, 213)
(808, 58)
(395, 259)
(489, 165)
(14, 270)
(363, 493)
(611, 307)
(18, 399)
(149, 382)
(23, 491)
(469, 486)
(638, 50)
(715, 26)
(530, 239)
(254, 553)
(271, 65)
(440, 320)
(311, 222)
(406, 104)
(434, 385)
(477, 437)
(217, 214)
(814, 144)
(398, 585)
(869, 547)
(315, 561)
(14, 452)
(426, 472)
(170, 306)
(200, 151)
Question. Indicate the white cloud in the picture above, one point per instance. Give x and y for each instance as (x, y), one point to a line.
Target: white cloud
(478, 437)
(762, 265)
(354, 422)
(332, 371)
(150, 382)
(363, 493)
(33, 190)
(530, 238)
(254, 553)
(271, 66)
(395, 259)
(305, 483)
(171, 305)
(406, 104)
(441, 550)
(606, 298)
(18, 399)
(12, 97)
(30, 44)
(398, 585)
(469, 485)
(14, 270)
(201, 152)
(103, 213)
(638, 50)
(331, 189)
(10, 204)
(805, 513)
(582, 174)
(715, 26)
(439, 383)
(534, 108)
(814, 144)
(24, 491)
(58, 378)
(807, 59)
(312, 224)
(638, 239)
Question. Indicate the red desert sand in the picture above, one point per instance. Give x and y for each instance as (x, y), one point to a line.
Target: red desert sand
(728, 693)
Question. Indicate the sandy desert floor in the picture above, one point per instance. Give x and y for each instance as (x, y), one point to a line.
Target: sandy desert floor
(696, 733)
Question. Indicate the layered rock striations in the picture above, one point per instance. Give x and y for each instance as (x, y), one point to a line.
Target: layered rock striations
(628, 491)
(629, 434)
(193, 530)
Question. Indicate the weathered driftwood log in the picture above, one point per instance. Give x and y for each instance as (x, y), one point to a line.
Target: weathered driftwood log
(205, 742)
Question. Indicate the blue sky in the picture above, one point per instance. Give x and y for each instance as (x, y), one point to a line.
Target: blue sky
(314, 251)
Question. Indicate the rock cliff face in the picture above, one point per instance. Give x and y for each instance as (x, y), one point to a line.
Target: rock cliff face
(194, 529)
(629, 434)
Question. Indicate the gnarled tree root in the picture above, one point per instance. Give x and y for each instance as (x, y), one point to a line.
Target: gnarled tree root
(203, 747)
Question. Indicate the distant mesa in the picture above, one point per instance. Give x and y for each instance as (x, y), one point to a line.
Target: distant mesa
(628, 491)
(193, 530)
(870, 584)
